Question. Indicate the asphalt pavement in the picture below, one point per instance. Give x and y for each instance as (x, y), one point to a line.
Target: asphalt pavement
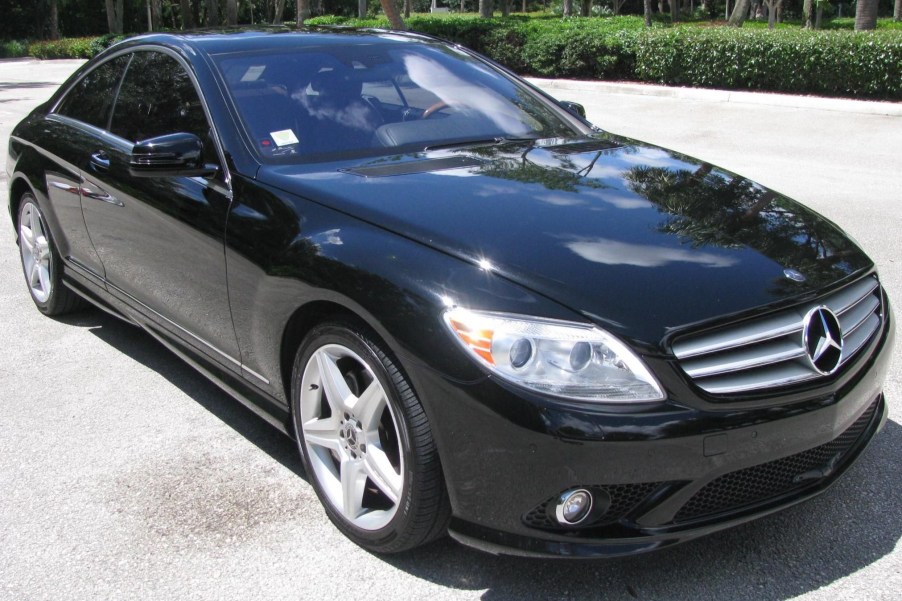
(126, 475)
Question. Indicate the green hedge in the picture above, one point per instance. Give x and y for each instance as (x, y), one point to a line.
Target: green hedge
(831, 63)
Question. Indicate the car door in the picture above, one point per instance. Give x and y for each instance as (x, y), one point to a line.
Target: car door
(161, 239)
(67, 133)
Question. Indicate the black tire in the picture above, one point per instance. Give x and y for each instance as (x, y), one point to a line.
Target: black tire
(422, 509)
(50, 295)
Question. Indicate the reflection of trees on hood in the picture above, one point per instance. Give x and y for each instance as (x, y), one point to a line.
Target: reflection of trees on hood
(566, 178)
(707, 207)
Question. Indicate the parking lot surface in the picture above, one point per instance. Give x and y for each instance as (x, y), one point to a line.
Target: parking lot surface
(126, 475)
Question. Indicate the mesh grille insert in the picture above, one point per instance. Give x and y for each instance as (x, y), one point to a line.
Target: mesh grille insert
(761, 482)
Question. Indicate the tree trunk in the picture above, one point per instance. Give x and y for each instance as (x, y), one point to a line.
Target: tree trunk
(187, 15)
(54, 20)
(819, 13)
(646, 8)
(486, 8)
(390, 8)
(156, 15)
(231, 12)
(114, 15)
(807, 21)
(737, 18)
(407, 4)
(585, 7)
(211, 18)
(726, 12)
(866, 15)
(302, 12)
(674, 11)
(567, 8)
(524, 5)
(279, 12)
(361, 9)
(897, 11)
(505, 8)
(771, 13)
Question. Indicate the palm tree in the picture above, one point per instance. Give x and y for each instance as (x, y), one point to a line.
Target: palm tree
(866, 15)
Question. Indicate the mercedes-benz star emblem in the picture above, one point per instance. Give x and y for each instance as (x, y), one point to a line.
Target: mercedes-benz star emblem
(822, 338)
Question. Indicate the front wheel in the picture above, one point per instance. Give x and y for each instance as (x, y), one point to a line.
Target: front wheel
(365, 441)
(41, 263)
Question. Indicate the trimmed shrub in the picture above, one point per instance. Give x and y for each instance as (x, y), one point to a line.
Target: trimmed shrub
(64, 48)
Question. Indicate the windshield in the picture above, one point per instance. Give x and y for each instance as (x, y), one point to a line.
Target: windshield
(356, 99)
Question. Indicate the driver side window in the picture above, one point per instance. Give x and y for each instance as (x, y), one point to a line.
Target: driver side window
(156, 98)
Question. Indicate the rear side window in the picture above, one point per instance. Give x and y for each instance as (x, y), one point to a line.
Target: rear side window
(156, 98)
(90, 100)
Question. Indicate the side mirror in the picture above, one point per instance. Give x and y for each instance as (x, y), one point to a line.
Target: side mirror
(171, 155)
(574, 107)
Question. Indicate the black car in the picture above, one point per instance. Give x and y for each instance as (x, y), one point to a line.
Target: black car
(474, 311)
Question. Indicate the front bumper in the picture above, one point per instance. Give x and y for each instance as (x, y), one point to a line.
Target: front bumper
(672, 473)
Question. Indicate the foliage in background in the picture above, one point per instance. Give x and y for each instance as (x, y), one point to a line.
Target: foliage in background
(832, 63)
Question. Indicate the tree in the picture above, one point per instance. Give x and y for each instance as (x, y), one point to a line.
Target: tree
(302, 13)
(737, 17)
(568, 8)
(187, 14)
(807, 21)
(486, 8)
(361, 9)
(232, 12)
(772, 7)
(390, 8)
(585, 8)
(646, 8)
(114, 14)
(211, 17)
(54, 20)
(278, 12)
(866, 15)
(897, 11)
(156, 15)
(407, 4)
(674, 11)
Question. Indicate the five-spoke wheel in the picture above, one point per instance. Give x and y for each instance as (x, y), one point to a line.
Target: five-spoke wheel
(365, 441)
(40, 262)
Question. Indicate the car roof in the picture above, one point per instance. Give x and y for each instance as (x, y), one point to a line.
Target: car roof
(223, 41)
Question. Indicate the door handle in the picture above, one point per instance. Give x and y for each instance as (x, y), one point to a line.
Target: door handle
(100, 161)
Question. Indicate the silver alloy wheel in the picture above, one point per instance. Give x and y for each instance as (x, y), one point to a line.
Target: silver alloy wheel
(351, 436)
(35, 249)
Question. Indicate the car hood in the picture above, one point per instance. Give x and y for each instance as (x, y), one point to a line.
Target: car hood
(640, 239)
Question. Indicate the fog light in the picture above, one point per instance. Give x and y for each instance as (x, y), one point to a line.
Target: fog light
(573, 506)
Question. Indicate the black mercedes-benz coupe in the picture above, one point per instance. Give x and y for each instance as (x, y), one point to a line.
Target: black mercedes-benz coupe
(475, 312)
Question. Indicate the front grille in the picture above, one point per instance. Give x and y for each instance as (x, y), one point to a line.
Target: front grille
(770, 351)
(624, 498)
(768, 480)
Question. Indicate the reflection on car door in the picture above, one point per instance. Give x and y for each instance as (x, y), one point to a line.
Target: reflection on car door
(161, 238)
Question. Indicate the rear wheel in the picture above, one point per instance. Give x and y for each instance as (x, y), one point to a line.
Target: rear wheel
(41, 262)
(365, 441)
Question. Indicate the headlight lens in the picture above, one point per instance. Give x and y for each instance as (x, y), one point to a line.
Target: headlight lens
(561, 358)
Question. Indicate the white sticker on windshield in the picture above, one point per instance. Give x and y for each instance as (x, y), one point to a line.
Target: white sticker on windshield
(284, 137)
(253, 73)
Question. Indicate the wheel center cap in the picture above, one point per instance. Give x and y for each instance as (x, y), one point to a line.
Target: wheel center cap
(352, 435)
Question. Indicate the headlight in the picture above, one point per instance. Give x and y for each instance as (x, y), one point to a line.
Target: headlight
(561, 358)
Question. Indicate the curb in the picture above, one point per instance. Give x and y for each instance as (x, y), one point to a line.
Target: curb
(866, 107)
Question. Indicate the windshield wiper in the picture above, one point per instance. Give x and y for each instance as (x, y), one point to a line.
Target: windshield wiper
(481, 142)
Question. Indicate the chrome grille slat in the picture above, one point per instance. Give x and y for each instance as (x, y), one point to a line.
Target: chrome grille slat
(744, 358)
(769, 351)
(857, 339)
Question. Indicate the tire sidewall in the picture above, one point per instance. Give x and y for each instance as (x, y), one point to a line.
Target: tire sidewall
(45, 306)
(351, 337)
